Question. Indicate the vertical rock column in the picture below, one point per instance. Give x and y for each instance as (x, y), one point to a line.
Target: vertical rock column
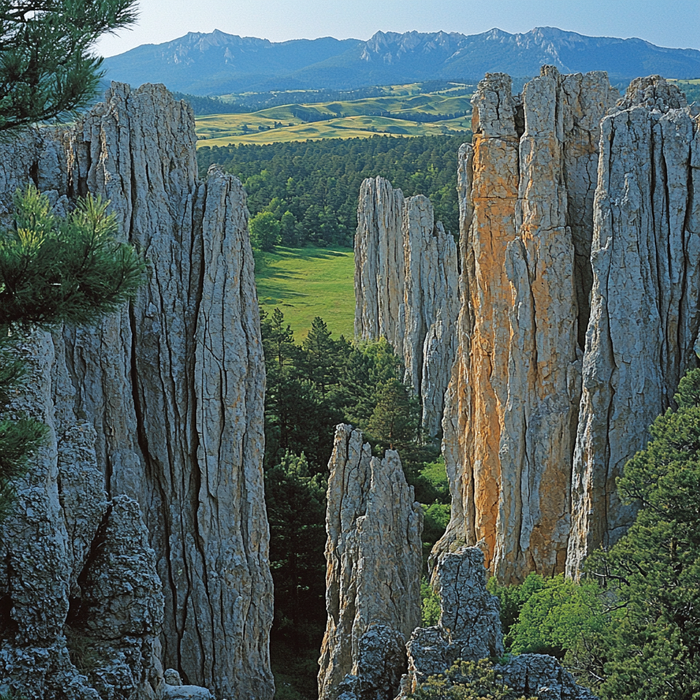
(406, 289)
(176, 386)
(510, 421)
(374, 561)
(81, 604)
(645, 311)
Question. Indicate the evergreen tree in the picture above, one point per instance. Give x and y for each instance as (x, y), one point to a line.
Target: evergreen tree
(264, 231)
(53, 271)
(47, 69)
(319, 359)
(394, 421)
(650, 646)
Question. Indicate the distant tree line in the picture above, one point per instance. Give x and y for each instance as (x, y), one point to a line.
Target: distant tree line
(311, 187)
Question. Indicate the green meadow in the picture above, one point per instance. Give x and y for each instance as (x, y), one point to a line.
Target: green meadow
(308, 282)
(400, 114)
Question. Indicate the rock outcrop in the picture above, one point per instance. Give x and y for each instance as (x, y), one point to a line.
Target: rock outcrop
(374, 560)
(579, 309)
(174, 385)
(527, 187)
(470, 629)
(645, 301)
(406, 289)
(81, 604)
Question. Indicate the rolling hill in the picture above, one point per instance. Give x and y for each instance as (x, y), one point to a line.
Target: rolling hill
(219, 63)
(400, 113)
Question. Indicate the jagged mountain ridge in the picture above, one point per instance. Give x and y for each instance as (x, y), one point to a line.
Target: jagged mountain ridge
(219, 63)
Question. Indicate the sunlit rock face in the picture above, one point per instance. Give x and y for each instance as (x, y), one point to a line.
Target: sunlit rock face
(174, 384)
(579, 312)
(406, 289)
(526, 195)
(373, 574)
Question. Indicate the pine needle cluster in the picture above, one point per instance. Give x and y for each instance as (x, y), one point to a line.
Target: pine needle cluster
(47, 67)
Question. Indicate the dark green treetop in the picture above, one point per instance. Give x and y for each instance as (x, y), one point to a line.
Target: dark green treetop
(47, 68)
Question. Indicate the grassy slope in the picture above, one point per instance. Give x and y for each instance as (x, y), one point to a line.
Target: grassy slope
(355, 118)
(309, 282)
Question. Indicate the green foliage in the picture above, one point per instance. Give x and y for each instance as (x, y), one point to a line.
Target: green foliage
(553, 617)
(650, 646)
(467, 680)
(52, 271)
(436, 516)
(513, 598)
(47, 68)
(430, 604)
(316, 385)
(394, 420)
(318, 182)
(264, 231)
(431, 483)
(631, 628)
(296, 512)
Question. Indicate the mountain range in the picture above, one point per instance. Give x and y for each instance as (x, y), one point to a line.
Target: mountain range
(217, 63)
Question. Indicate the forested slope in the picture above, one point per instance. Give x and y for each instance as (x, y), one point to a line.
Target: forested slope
(311, 187)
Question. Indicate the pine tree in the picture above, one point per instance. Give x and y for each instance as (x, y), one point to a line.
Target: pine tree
(394, 421)
(47, 69)
(53, 271)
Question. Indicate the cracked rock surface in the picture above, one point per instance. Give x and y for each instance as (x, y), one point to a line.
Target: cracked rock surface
(470, 629)
(526, 201)
(173, 385)
(645, 299)
(406, 289)
(580, 286)
(374, 561)
(81, 604)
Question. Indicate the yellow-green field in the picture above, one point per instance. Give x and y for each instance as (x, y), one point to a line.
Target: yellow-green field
(342, 119)
(308, 282)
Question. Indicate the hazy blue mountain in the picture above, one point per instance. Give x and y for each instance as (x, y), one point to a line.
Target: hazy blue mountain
(219, 63)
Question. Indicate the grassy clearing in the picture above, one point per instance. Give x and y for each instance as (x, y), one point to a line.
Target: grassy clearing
(309, 282)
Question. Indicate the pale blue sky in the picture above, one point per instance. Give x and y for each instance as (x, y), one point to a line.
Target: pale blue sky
(674, 23)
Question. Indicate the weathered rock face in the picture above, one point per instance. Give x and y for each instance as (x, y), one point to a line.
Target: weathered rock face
(527, 188)
(374, 560)
(645, 312)
(81, 604)
(406, 289)
(537, 426)
(470, 629)
(174, 386)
